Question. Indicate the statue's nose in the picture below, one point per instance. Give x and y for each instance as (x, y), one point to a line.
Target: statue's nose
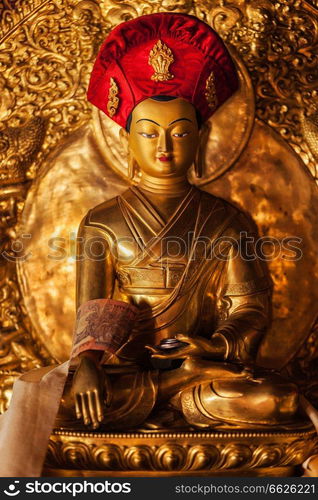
(164, 145)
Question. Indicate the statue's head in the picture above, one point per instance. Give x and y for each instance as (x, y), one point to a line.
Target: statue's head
(161, 77)
(162, 135)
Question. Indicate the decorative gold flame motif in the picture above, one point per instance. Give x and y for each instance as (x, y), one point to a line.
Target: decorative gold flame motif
(160, 58)
(113, 100)
(210, 93)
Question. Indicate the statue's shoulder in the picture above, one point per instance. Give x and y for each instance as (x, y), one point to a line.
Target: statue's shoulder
(215, 201)
(103, 212)
(211, 202)
(237, 219)
(106, 216)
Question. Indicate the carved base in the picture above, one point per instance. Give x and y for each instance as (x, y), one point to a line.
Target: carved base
(238, 453)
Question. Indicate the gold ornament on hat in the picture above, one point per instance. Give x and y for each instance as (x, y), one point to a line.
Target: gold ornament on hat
(160, 58)
(210, 93)
(113, 100)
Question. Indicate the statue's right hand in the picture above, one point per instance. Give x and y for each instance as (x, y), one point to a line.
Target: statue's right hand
(87, 391)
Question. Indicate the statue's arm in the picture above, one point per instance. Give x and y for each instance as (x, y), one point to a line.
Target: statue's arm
(95, 274)
(95, 278)
(244, 298)
(241, 332)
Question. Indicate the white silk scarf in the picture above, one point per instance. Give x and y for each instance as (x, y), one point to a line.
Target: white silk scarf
(25, 428)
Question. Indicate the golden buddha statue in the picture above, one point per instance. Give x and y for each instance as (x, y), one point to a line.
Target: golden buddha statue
(172, 301)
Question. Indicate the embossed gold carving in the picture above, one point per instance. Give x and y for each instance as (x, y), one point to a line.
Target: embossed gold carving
(19, 350)
(160, 58)
(18, 148)
(47, 50)
(113, 100)
(210, 92)
(309, 126)
(281, 62)
(191, 452)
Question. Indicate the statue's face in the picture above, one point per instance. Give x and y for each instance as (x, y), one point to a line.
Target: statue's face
(164, 137)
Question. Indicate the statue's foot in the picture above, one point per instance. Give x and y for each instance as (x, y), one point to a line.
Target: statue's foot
(164, 419)
(209, 370)
(261, 402)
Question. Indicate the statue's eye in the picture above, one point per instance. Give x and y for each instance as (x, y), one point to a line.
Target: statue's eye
(148, 136)
(183, 134)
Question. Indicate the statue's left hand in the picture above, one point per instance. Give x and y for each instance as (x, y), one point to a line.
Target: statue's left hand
(197, 347)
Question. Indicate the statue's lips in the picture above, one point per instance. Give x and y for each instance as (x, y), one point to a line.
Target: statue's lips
(164, 158)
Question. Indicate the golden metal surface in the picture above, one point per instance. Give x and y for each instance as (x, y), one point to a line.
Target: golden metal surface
(18, 148)
(175, 453)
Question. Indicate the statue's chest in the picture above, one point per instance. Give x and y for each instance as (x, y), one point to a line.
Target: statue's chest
(159, 263)
(156, 256)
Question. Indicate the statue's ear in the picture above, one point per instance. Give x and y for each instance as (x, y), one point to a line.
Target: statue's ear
(205, 130)
(199, 162)
(124, 140)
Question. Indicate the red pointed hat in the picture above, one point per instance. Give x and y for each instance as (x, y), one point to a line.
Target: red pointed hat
(161, 54)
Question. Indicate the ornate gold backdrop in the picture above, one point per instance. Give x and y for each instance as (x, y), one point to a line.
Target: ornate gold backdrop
(55, 157)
